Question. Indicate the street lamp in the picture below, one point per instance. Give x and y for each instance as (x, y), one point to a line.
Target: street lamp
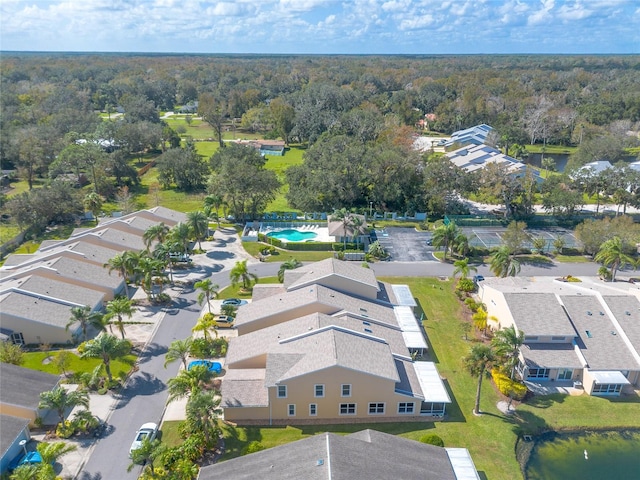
(370, 209)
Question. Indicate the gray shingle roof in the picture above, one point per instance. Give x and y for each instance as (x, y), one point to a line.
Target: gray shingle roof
(550, 355)
(89, 272)
(60, 290)
(603, 348)
(34, 308)
(244, 388)
(626, 310)
(365, 455)
(318, 271)
(124, 239)
(22, 386)
(10, 428)
(539, 314)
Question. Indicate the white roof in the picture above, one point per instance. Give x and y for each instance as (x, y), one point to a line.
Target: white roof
(432, 386)
(609, 378)
(403, 295)
(462, 464)
(414, 340)
(406, 319)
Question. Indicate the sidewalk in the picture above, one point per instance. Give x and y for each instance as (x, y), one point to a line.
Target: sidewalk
(221, 254)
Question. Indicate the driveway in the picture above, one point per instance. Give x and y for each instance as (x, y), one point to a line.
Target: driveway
(406, 244)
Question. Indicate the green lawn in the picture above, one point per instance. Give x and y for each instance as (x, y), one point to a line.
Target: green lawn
(490, 438)
(253, 248)
(42, 361)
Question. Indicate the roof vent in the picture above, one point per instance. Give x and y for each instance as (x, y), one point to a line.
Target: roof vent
(320, 462)
(602, 313)
(613, 332)
(627, 312)
(588, 332)
(589, 312)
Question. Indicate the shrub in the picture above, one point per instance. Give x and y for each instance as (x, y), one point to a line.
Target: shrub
(432, 439)
(466, 285)
(514, 389)
(472, 304)
(252, 447)
(65, 429)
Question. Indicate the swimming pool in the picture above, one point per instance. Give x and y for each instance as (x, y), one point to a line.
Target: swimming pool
(291, 235)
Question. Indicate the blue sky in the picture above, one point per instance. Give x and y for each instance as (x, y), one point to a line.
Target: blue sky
(322, 26)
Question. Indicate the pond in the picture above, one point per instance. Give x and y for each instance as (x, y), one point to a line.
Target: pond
(586, 456)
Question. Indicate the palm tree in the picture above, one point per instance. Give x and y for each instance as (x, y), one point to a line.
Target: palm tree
(146, 454)
(208, 291)
(93, 202)
(611, 254)
(117, 308)
(240, 272)
(107, 348)
(156, 232)
(199, 224)
(203, 411)
(205, 324)
(463, 268)
(121, 263)
(290, 264)
(163, 251)
(478, 362)
(503, 264)
(181, 234)
(506, 343)
(348, 219)
(445, 236)
(50, 453)
(461, 243)
(178, 350)
(86, 318)
(189, 382)
(61, 400)
(212, 204)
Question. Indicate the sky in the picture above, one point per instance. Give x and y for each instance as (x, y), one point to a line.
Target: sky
(322, 26)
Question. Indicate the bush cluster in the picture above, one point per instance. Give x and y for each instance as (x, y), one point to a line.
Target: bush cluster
(509, 388)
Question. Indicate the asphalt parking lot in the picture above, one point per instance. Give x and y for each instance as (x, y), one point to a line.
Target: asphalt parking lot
(409, 245)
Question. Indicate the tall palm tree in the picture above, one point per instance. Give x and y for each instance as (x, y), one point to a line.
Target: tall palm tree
(211, 207)
(189, 382)
(611, 254)
(120, 263)
(156, 232)
(240, 273)
(208, 291)
(503, 263)
(203, 411)
(178, 350)
(106, 347)
(348, 219)
(163, 251)
(86, 318)
(199, 224)
(60, 400)
(506, 343)
(119, 308)
(463, 268)
(181, 234)
(290, 264)
(93, 202)
(478, 363)
(205, 324)
(445, 236)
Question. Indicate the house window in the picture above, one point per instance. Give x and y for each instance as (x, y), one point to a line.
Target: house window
(347, 409)
(405, 407)
(346, 389)
(557, 339)
(292, 409)
(282, 391)
(606, 388)
(313, 409)
(17, 338)
(376, 408)
(319, 391)
(565, 374)
(530, 338)
(538, 373)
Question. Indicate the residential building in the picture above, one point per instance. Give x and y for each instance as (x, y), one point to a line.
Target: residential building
(332, 344)
(474, 158)
(477, 135)
(364, 455)
(20, 390)
(585, 332)
(13, 430)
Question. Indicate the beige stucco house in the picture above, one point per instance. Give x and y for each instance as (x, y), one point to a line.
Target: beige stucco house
(306, 352)
(585, 332)
(20, 390)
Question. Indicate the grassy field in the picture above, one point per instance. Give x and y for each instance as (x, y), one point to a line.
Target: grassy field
(491, 437)
(42, 361)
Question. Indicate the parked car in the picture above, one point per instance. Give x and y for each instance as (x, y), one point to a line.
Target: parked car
(478, 278)
(236, 302)
(215, 367)
(224, 321)
(147, 430)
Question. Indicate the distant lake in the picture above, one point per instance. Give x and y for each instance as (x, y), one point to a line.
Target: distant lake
(611, 455)
(561, 159)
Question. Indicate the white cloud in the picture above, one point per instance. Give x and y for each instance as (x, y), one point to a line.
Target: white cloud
(416, 22)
